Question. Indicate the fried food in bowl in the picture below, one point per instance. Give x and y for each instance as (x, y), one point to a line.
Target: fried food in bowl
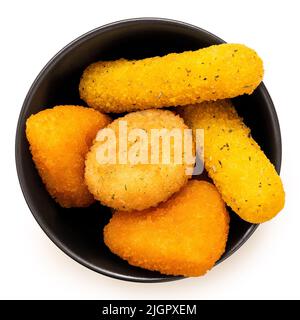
(137, 186)
(185, 235)
(59, 139)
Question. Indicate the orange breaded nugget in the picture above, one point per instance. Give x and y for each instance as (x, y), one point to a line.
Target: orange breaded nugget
(138, 186)
(245, 177)
(217, 72)
(59, 139)
(185, 235)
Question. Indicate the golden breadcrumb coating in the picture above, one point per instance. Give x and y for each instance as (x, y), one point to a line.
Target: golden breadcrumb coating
(217, 72)
(245, 177)
(59, 139)
(185, 235)
(142, 185)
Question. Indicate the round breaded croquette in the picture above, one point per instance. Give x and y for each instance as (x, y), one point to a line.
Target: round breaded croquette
(246, 179)
(217, 72)
(136, 185)
(59, 139)
(185, 235)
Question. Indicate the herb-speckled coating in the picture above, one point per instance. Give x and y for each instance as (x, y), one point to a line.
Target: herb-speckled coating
(217, 72)
(245, 177)
(142, 185)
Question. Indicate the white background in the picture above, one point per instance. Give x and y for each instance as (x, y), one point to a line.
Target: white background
(31, 266)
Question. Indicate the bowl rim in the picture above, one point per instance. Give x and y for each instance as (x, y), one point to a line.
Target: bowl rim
(32, 90)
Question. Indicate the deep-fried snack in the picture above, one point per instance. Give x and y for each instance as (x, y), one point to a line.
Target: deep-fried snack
(245, 177)
(140, 185)
(185, 235)
(59, 139)
(217, 72)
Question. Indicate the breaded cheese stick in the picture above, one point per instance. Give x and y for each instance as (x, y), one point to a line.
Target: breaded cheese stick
(245, 177)
(217, 72)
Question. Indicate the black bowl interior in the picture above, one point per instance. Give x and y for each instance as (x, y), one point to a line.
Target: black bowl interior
(78, 232)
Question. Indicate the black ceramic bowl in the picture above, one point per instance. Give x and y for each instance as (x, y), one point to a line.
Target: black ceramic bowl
(78, 232)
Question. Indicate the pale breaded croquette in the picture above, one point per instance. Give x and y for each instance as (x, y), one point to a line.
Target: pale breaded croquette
(245, 177)
(217, 72)
(140, 185)
(185, 235)
(59, 139)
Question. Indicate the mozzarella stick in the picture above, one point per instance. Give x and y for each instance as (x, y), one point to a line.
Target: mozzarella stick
(217, 72)
(244, 176)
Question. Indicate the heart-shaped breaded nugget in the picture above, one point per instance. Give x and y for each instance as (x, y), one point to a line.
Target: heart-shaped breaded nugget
(185, 235)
